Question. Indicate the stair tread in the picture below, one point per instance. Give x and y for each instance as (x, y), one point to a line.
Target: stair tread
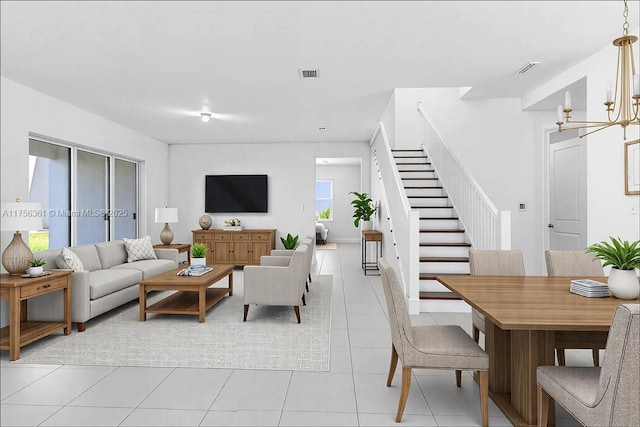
(433, 207)
(406, 150)
(415, 170)
(439, 295)
(446, 244)
(438, 218)
(409, 179)
(444, 259)
(444, 230)
(428, 197)
(413, 163)
(421, 187)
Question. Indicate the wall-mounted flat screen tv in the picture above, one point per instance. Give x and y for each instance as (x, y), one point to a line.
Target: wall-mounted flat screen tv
(236, 193)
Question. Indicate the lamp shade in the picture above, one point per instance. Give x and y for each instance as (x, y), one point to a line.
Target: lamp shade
(168, 215)
(18, 216)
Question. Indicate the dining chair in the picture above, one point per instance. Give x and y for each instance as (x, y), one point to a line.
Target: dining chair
(607, 396)
(429, 347)
(575, 264)
(492, 263)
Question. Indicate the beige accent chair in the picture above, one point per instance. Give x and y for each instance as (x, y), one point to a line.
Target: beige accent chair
(576, 264)
(607, 396)
(429, 347)
(309, 241)
(278, 280)
(492, 263)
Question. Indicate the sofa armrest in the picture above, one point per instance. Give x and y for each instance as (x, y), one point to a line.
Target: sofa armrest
(275, 261)
(166, 253)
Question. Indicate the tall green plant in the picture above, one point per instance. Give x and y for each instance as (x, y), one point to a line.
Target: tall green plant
(363, 207)
(290, 242)
(619, 254)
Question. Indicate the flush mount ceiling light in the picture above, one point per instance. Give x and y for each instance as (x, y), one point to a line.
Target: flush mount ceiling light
(205, 117)
(622, 103)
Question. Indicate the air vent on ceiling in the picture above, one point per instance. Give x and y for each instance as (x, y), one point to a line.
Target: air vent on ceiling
(309, 74)
(528, 66)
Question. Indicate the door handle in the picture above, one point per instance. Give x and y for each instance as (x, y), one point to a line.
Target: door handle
(550, 225)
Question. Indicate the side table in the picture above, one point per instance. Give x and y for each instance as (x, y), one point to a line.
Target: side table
(181, 247)
(376, 238)
(17, 290)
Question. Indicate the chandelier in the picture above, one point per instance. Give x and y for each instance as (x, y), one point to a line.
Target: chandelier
(621, 103)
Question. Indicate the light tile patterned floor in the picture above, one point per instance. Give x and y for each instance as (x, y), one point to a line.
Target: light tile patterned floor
(352, 393)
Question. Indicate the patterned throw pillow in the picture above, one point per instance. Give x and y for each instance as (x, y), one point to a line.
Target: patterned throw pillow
(139, 249)
(69, 260)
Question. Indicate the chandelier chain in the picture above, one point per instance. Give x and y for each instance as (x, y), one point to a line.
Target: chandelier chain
(625, 26)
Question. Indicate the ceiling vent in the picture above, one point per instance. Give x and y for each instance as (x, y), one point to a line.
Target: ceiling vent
(309, 74)
(528, 66)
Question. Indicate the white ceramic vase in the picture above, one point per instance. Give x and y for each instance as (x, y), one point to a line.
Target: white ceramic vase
(36, 271)
(367, 225)
(198, 261)
(623, 284)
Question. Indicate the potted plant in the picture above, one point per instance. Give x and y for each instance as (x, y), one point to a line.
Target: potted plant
(624, 258)
(199, 254)
(36, 267)
(364, 210)
(290, 242)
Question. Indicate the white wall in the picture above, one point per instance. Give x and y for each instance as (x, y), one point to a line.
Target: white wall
(346, 178)
(24, 110)
(292, 173)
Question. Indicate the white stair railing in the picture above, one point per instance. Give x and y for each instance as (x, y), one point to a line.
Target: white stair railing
(486, 227)
(403, 222)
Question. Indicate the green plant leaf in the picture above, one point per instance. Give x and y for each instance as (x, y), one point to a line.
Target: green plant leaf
(621, 254)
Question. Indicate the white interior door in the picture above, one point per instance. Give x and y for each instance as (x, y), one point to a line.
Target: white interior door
(567, 193)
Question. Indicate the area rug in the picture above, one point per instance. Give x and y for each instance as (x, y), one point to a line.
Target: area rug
(271, 338)
(330, 246)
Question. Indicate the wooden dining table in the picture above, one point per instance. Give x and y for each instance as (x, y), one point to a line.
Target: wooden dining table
(524, 317)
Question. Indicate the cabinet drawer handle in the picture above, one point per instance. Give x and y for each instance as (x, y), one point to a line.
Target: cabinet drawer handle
(46, 286)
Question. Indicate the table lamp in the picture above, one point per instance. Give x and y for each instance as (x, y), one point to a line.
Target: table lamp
(17, 217)
(166, 215)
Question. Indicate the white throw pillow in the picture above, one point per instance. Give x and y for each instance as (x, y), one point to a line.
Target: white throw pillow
(139, 249)
(69, 260)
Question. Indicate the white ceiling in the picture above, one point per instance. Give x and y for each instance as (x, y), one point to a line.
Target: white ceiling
(153, 66)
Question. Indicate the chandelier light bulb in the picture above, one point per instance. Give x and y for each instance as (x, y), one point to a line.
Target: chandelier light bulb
(205, 117)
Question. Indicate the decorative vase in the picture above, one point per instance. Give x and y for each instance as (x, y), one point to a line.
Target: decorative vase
(198, 261)
(36, 271)
(623, 284)
(367, 225)
(205, 222)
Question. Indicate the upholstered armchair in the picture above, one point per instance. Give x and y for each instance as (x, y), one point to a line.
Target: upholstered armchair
(278, 280)
(607, 396)
(309, 241)
(429, 347)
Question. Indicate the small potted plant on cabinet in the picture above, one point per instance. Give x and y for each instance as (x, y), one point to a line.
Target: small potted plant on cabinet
(198, 254)
(624, 258)
(36, 267)
(364, 210)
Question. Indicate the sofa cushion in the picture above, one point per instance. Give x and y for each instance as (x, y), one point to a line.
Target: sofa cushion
(89, 256)
(149, 267)
(111, 253)
(139, 249)
(68, 259)
(105, 282)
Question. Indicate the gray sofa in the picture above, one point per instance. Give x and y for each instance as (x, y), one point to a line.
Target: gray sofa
(108, 282)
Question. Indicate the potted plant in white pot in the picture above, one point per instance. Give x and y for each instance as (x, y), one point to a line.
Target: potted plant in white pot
(36, 267)
(624, 258)
(198, 254)
(364, 210)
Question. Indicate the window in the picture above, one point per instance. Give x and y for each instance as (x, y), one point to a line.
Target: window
(324, 200)
(87, 197)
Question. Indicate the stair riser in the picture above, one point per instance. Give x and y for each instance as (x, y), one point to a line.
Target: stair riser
(417, 175)
(420, 167)
(425, 192)
(444, 251)
(444, 267)
(421, 182)
(442, 237)
(437, 212)
(419, 203)
(396, 153)
(439, 224)
(432, 286)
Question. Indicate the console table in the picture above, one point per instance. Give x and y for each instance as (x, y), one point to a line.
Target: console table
(236, 247)
(376, 238)
(17, 290)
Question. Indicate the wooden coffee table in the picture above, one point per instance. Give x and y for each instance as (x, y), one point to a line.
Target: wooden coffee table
(194, 295)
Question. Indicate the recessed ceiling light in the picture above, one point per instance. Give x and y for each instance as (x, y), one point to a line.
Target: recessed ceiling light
(205, 117)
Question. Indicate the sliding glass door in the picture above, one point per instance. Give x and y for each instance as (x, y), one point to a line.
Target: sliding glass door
(92, 198)
(125, 200)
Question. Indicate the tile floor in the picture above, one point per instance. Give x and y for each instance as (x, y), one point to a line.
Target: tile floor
(352, 393)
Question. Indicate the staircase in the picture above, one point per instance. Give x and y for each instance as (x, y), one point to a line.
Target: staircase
(444, 247)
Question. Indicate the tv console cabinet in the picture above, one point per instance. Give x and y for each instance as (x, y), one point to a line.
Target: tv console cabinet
(236, 247)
